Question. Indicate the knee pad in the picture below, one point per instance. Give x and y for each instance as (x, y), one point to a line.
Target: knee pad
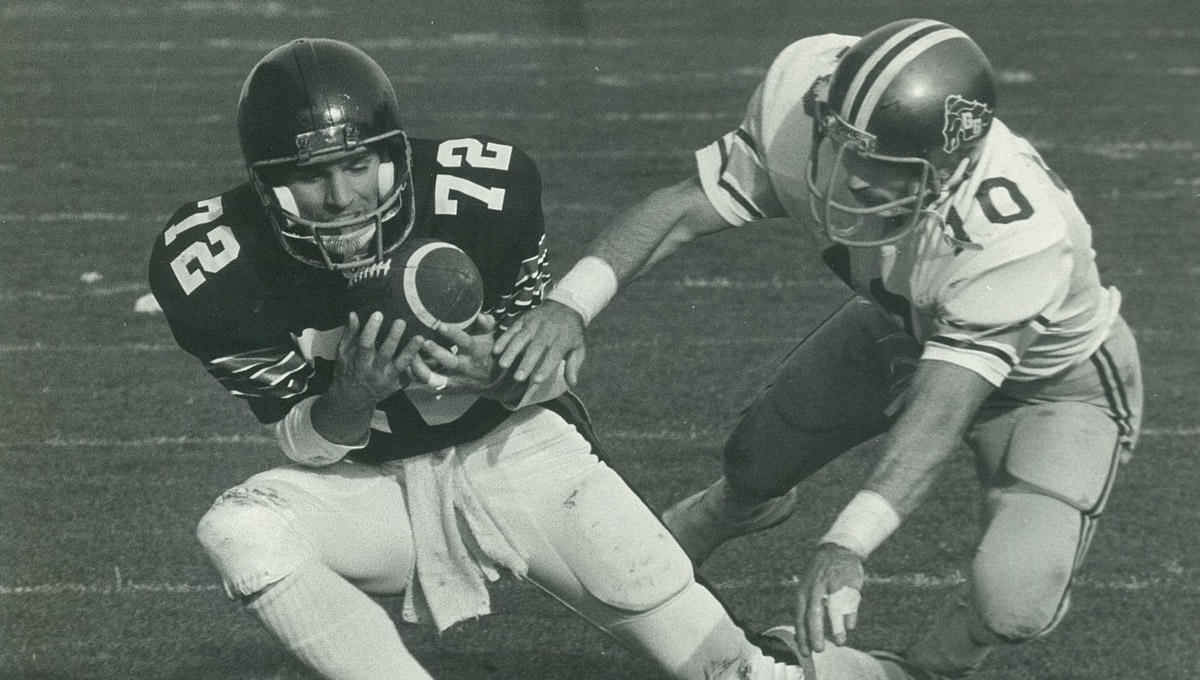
(1018, 623)
(1022, 571)
(250, 541)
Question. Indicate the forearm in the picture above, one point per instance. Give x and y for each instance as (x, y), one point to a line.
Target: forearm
(912, 454)
(640, 237)
(942, 401)
(653, 229)
(340, 419)
(909, 462)
(301, 442)
(636, 241)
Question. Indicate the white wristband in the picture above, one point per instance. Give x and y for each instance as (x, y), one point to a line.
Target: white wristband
(864, 524)
(587, 288)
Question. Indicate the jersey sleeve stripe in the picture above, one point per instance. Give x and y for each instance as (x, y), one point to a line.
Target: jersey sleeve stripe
(252, 360)
(530, 289)
(266, 378)
(741, 199)
(747, 139)
(292, 390)
(726, 181)
(289, 364)
(958, 343)
(263, 373)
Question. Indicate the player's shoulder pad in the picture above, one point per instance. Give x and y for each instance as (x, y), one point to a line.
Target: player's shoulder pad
(813, 47)
(201, 268)
(819, 52)
(1010, 202)
(790, 78)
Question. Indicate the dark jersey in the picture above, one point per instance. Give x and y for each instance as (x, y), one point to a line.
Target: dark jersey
(267, 326)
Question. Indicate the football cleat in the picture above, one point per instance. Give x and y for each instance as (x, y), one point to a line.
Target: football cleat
(703, 521)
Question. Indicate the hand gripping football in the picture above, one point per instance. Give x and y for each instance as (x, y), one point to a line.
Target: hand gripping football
(422, 282)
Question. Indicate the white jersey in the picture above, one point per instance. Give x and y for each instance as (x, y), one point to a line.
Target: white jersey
(1021, 301)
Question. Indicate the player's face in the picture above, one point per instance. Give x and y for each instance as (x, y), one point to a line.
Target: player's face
(875, 183)
(339, 189)
(866, 200)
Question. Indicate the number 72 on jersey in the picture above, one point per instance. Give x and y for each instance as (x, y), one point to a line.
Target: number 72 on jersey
(199, 257)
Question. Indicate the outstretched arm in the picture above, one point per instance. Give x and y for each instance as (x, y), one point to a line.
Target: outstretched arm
(941, 403)
(655, 228)
(635, 242)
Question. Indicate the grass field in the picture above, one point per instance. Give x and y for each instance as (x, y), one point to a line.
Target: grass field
(113, 442)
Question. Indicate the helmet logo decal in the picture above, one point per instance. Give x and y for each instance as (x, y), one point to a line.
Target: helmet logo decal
(966, 121)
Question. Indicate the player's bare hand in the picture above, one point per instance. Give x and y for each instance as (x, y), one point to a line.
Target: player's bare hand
(828, 593)
(539, 340)
(366, 371)
(469, 367)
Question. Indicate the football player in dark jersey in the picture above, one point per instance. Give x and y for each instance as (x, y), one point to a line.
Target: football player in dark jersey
(411, 469)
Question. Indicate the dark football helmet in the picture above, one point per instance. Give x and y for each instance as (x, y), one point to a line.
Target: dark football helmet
(910, 101)
(316, 100)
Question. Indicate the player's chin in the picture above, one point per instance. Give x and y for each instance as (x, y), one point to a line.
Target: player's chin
(350, 243)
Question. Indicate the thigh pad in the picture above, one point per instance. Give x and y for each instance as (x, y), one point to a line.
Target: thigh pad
(617, 548)
(1067, 450)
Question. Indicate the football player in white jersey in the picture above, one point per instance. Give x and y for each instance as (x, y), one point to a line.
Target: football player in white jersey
(978, 316)
(400, 480)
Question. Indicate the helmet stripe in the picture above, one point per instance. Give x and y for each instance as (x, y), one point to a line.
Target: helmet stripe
(870, 67)
(903, 59)
(308, 66)
(878, 72)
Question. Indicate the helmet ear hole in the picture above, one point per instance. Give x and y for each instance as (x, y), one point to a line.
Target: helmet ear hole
(286, 200)
(387, 178)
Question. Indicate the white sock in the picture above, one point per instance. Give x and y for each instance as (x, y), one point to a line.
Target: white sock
(335, 628)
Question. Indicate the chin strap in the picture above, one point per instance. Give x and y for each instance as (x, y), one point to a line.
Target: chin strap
(962, 172)
(286, 200)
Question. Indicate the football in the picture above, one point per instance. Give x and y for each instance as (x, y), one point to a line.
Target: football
(422, 282)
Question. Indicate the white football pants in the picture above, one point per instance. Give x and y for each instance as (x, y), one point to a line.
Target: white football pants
(588, 540)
